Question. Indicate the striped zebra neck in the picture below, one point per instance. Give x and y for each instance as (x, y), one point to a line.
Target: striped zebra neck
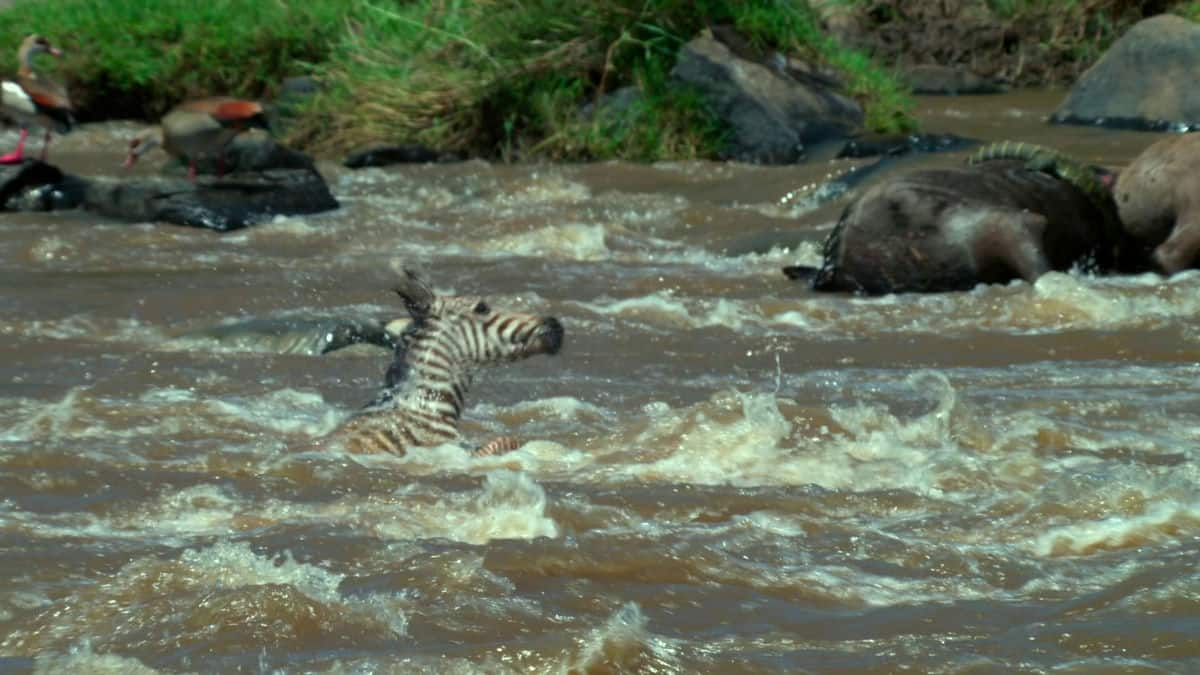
(430, 377)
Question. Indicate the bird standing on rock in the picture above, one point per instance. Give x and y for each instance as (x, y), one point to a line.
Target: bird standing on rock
(201, 128)
(33, 99)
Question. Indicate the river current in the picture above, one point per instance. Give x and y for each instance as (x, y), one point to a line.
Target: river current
(724, 472)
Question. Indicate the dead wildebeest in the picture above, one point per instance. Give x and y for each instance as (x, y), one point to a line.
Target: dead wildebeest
(1016, 211)
(1158, 199)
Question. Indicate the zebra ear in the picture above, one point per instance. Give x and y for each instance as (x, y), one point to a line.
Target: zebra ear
(418, 297)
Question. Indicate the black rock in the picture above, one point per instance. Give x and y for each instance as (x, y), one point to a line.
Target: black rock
(382, 154)
(874, 145)
(222, 204)
(33, 185)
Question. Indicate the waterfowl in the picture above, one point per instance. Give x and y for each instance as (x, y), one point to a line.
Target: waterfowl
(32, 99)
(200, 128)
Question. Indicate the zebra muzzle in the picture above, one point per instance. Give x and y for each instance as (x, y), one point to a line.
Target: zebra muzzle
(548, 336)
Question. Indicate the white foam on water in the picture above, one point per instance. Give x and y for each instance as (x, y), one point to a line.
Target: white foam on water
(232, 565)
(622, 644)
(81, 659)
(563, 408)
(282, 410)
(290, 227)
(695, 447)
(36, 419)
(665, 310)
(510, 505)
(543, 187)
(83, 326)
(572, 241)
(1057, 301)
(1162, 522)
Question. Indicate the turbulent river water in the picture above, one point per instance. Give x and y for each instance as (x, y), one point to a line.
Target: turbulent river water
(724, 472)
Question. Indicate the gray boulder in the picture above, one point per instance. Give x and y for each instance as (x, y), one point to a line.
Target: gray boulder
(222, 204)
(265, 180)
(772, 115)
(1146, 80)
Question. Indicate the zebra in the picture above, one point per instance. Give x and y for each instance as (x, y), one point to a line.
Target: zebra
(434, 362)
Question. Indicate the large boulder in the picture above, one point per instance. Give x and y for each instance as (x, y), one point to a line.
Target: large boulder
(1146, 80)
(222, 204)
(950, 229)
(265, 180)
(772, 112)
(1158, 199)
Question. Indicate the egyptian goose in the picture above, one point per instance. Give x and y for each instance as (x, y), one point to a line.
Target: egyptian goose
(198, 129)
(32, 99)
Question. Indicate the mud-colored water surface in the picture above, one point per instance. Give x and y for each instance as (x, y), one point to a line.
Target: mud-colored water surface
(723, 472)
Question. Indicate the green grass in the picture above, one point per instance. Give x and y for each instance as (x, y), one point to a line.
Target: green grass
(139, 57)
(509, 78)
(513, 79)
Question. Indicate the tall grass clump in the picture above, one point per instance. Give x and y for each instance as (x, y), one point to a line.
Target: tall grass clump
(525, 78)
(136, 58)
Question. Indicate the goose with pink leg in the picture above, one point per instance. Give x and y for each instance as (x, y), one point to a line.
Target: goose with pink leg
(31, 99)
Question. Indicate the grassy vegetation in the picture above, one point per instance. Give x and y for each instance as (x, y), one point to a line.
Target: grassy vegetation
(501, 78)
(509, 77)
(129, 58)
(1023, 42)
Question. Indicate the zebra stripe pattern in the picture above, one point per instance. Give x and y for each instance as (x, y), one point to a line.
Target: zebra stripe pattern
(435, 360)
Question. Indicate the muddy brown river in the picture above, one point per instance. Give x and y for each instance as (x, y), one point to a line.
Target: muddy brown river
(723, 472)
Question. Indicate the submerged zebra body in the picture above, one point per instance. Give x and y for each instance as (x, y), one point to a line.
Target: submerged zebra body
(435, 360)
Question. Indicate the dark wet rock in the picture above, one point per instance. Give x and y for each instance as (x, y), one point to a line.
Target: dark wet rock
(298, 335)
(223, 204)
(1158, 198)
(33, 185)
(934, 79)
(255, 151)
(771, 115)
(951, 229)
(1142, 81)
(383, 154)
(874, 145)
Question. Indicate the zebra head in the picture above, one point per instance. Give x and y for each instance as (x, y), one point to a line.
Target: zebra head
(459, 333)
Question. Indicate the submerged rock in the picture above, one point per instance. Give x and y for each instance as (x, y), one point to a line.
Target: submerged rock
(33, 185)
(1144, 81)
(771, 113)
(223, 204)
(265, 180)
(384, 154)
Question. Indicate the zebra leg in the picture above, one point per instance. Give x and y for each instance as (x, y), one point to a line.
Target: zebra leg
(497, 446)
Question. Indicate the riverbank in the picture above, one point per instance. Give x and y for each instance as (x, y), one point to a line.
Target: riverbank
(515, 80)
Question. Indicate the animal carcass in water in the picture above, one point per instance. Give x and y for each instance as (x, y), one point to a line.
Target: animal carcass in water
(1015, 212)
